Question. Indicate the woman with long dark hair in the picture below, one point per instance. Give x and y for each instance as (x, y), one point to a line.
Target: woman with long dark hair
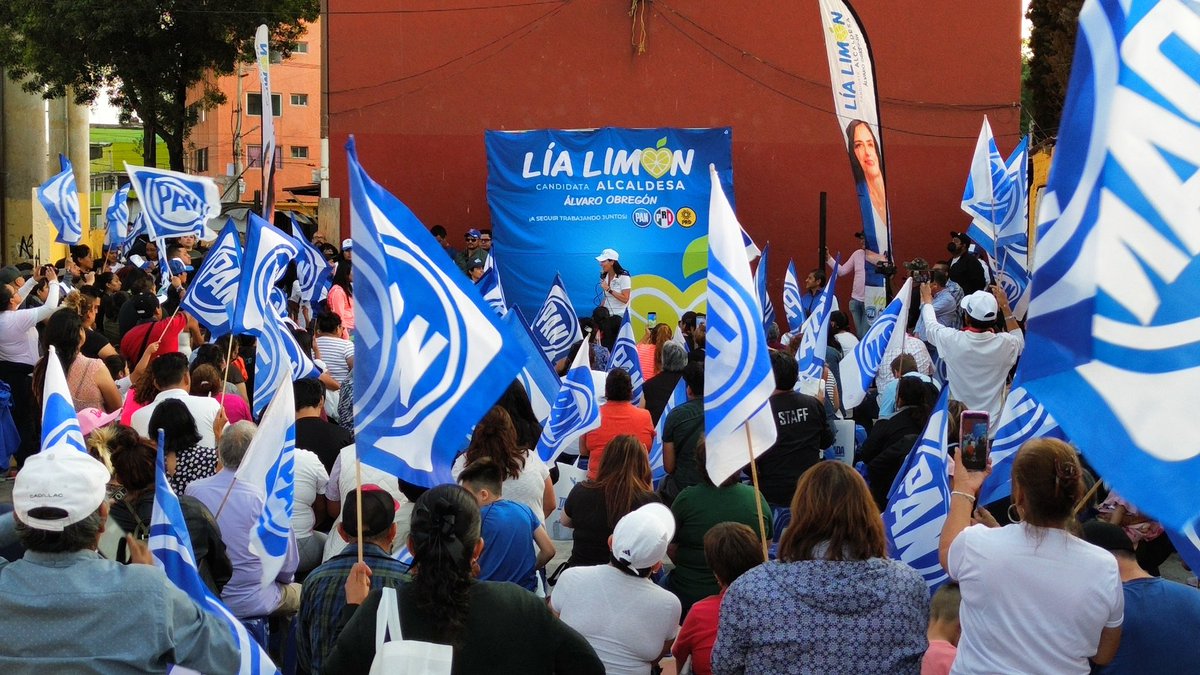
(181, 441)
(95, 345)
(488, 624)
(893, 438)
(526, 478)
(341, 294)
(88, 379)
(594, 506)
(615, 283)
(833, 600)
(515, 401)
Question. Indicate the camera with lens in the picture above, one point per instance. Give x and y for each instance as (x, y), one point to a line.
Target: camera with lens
(918, 270)
(885, 268)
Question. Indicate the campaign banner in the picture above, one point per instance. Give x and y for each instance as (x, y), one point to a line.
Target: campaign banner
(558, 198)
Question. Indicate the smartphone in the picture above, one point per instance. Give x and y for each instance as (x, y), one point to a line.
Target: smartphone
(701, 319)
(652, 317)
(973, 439)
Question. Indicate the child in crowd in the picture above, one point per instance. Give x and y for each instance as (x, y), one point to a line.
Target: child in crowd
(944, 630)
(730, 549)
(120, 373)
(507, 529)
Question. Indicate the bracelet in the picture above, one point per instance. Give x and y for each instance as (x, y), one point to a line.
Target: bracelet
(964, 494)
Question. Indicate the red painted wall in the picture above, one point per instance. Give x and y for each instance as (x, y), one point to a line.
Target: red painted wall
(418, 88)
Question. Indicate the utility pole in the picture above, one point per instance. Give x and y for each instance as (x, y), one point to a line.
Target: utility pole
(237, 139)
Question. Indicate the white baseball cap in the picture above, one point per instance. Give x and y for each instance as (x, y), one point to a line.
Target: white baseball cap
(347, 244)
(608, 254)
(65, 479)
(980, 306)
(640, 539)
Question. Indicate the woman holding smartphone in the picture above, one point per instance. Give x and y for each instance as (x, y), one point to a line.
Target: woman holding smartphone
(1035, 598)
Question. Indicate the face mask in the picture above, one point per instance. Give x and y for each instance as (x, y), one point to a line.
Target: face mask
(952, 247)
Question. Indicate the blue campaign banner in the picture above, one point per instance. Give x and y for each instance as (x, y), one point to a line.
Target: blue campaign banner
(558, 198)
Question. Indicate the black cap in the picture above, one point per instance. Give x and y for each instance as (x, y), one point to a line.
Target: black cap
(860, 235)
(144, 305)
(378, 507)
(1107, 536)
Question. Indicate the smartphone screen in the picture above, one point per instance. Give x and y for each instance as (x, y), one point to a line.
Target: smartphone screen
(973, 439)
(701, 319)
(652, 317)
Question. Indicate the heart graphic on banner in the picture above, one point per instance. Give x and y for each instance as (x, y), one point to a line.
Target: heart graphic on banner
(657, 161)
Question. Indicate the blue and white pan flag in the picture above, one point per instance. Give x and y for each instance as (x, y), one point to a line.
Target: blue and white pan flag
(986, 177)
(738, 381)
(556, 326)
(764, 294)
(657, 470)
(792, 307)
(575, 411)
(1013, 233)
(489, 285)
(752, 252)
(270, 468)
(625, 355)
(262, 56)
(116, 217)
(60, 426)
(1112, 349)
(174, 204)
(537, 375)
(859, 367)
(137, 229)
(918, 501)
(1012, 277)
(60, 197)
(1022, 419)
(171, 545)
(267, 254)
(164, 271)
(312, 270)
(1187, 543)
(814, 337)
(212, 294)
(431, 356)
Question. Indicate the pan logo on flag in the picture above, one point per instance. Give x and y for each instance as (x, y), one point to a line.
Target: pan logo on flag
(222, 285)
(641, 217)
(552, 325)
(664, 217)
(572, 398)
(173, 201)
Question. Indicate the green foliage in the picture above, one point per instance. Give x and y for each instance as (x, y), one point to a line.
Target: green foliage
(150, 53)
(1052, 43)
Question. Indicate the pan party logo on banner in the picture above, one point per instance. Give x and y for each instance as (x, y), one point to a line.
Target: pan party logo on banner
(558, 198)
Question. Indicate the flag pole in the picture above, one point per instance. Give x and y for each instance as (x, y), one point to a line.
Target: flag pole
(358, 506)
(762, 528)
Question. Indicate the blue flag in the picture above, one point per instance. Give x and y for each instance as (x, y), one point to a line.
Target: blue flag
(792, 308)
(1013, 231)
(858, 368)
(814, 337)
(982, 197)
(917, 503)
(431, 356)
(60, 197)
(312, 270)
(1112, 349)
(174, 204)
(270, 468)
(575, 409)
(537, 375)
(212, 294)
(171, 546)
(116, 217)
(138, 229)
(625, 355)
(60, 426)
(1022, 419)
(489, 285)
(760, 284)
(657, 470)
(556, 327)
(738, 381)
(1187, 544)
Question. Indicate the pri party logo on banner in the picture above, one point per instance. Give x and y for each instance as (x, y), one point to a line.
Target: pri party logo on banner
(558, 198)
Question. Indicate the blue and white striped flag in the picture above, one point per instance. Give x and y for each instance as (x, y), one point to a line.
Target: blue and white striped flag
(60, 197)
(859, 367)
(738, 381)
(431, 360)
(625, 355)
(171, 545)
(987, 198)
(657, 470)
(174, 204)
(1112, 349)
(116, 217)
(814, 338)
(312, 270)
(270, 468)
(212, 294)
(917, 503)
(1013, 232)
(137, 229)
(491, 288)
(1022, 419)
(764, 294)
(164, 270)
(556, 326)
(792, 309)
(60, 426)
(537, 375)
(575, 409)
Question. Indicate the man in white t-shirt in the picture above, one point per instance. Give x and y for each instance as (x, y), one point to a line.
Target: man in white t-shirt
(311, 479)
(628, 619)
(173, 381)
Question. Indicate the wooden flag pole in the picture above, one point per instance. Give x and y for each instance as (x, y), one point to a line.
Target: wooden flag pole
(358, 507)
(762, 528)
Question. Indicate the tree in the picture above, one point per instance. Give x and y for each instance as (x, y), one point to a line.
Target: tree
(1052, 43)
(148, 52)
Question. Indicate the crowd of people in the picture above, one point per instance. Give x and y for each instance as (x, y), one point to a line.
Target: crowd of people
(668, 564)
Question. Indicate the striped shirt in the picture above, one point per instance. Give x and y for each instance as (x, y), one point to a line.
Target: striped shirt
(336, 353)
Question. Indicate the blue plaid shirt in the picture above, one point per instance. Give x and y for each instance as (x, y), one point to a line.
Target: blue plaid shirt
(324, 596)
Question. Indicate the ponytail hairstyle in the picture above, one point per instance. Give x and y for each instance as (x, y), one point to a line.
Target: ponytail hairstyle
(1049, 479)
(495, 438)
(206, 381)
(444, 532)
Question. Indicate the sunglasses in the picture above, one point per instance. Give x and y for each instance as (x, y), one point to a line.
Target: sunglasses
(471, 238)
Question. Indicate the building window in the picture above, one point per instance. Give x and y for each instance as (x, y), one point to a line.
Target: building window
(254, 156)
(299, 99)
(299, 152)
(254, 105)
(301, 48)
(200, 165)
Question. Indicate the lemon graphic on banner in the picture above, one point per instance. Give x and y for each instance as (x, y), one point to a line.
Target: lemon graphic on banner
(657, 161)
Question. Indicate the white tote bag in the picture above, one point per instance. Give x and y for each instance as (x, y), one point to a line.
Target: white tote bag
(398, 656)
